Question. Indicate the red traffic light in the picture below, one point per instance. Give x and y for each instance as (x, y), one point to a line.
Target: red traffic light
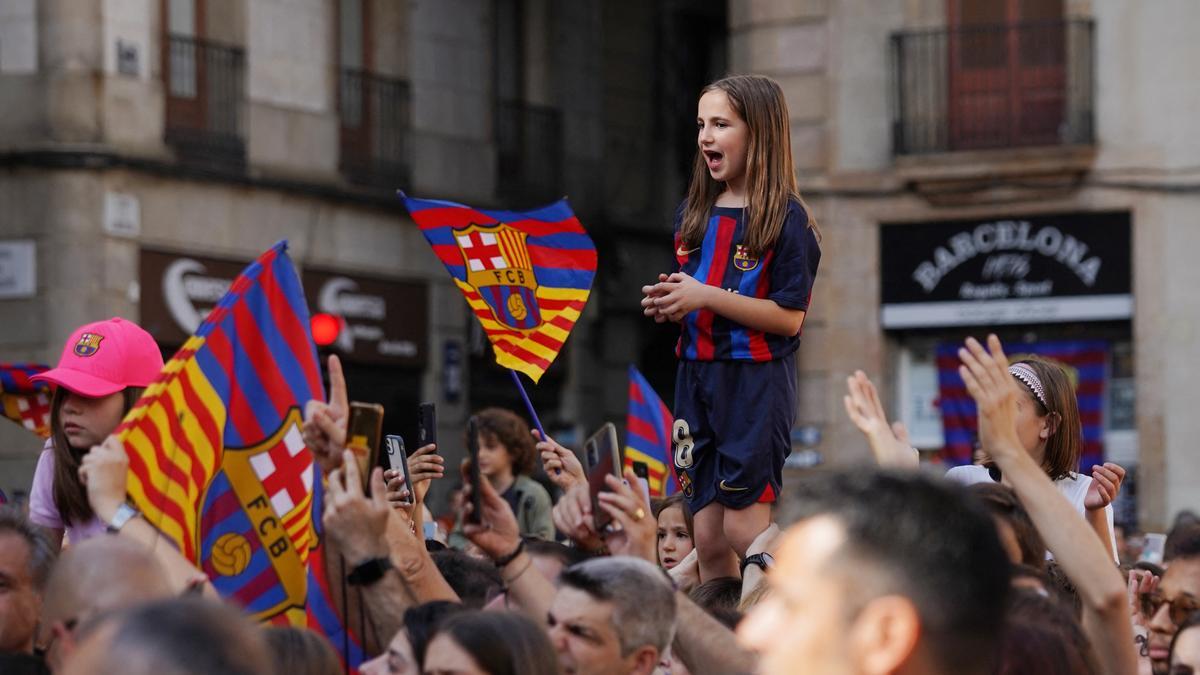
(325, 329)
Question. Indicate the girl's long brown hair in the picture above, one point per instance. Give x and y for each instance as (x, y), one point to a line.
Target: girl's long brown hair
(1064, 445)
(70, 494)
(770, 175)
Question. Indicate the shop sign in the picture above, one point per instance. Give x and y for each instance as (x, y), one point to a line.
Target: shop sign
(1034, 269)
(385, 321)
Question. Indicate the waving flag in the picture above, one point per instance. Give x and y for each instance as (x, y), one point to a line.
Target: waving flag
(216, 458)
(525, 275)
(1086, 364)
(648, 435)
(25, 402)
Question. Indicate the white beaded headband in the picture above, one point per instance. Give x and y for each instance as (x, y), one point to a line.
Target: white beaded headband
(1030, 379)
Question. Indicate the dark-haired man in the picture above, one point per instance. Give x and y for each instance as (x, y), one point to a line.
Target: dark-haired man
(1177, 596)
(882, 574)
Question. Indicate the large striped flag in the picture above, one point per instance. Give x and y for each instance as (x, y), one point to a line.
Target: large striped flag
(526, 275)
(24, 402)
(1086, 363)
(648, 435)
(216, 458)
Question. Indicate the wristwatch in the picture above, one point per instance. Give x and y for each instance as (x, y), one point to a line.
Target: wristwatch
(124, 514)
(367, 573)
(764, 560)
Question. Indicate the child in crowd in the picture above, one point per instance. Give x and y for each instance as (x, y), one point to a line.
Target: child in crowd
(674, 530)
(506, 459)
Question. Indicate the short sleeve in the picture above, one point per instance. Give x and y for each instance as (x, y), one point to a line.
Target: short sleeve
(794, 267)
(42, 510)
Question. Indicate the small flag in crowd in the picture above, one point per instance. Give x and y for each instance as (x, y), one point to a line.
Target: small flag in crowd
(24, 402)
(526, 275)
(1084, 360)
(648, 435)
(216, 458)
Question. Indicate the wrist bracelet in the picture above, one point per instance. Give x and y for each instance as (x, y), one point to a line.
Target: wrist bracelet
(518, 574)
(504, 560)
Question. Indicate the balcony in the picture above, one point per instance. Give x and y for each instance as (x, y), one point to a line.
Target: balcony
(205, 88)
(993, 87)
(529, 141)
(375, 121)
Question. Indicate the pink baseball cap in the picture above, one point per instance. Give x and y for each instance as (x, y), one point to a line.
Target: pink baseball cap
(103, 358)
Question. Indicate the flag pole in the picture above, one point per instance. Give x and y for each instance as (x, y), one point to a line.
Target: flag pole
(528, 404)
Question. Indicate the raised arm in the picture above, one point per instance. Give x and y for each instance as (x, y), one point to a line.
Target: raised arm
(866, 411)
(1076, 548)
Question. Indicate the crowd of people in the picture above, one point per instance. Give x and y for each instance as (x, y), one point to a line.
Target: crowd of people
(1008, 566)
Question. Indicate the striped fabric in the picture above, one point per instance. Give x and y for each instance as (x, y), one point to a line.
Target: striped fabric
(1086, 362)
(526, 275)
(648, 439)
(25, 402)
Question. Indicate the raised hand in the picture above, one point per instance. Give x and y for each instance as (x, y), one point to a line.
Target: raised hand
(104, 471)
(1106, 485)
(573, 517)
(497, 533)
(424, 465)
(561, 465)
(324, 427)
(985, 372)
(637, 535)
(357, 523)
(866, 411)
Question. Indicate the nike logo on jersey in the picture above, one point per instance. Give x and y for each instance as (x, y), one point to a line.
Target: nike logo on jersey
(681, 251)
(730, 488)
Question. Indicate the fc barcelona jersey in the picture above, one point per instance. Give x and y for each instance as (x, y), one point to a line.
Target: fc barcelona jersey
(784, 274)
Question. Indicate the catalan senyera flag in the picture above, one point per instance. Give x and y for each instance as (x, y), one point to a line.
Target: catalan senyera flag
(648, 435)
(526, 275)
(24, 402)
(217, 461)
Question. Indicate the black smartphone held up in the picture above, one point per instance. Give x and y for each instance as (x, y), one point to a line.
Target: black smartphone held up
(473, 475)
(398, 461)
(426, 424)
(363, 433)
(603, 458)
(642, 471)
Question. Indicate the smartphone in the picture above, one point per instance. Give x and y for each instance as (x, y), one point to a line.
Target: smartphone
(642, 470)
(1153, 550)
(426, 424)
(473, 475)
(398, 460)
(363, 432)
(603, 458)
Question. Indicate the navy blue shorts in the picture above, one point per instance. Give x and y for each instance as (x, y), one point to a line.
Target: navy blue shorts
(733, 422)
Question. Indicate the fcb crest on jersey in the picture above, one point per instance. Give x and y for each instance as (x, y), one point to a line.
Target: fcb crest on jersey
(742, 259)
(89, 343)
(499, 267)
(257, 524)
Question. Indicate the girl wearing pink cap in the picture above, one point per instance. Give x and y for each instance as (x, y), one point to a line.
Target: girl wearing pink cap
(103, 370)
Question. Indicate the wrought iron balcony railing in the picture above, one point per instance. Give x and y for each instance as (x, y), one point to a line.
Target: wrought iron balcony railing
(375, 121)
(205, 94)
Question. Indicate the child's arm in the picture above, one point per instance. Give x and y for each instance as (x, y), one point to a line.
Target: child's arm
(681, 294)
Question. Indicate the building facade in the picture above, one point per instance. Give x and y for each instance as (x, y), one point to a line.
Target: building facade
(1024, 167)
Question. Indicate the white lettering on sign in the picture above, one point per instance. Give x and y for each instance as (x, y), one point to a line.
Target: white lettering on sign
(184, 286)
(1007, 235)
(337, 297)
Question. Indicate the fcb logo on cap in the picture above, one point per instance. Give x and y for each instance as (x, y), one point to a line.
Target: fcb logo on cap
(89, 344)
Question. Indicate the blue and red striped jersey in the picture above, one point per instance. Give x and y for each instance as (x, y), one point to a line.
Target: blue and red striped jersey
(783, 274)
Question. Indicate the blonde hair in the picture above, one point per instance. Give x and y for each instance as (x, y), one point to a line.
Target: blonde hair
(770, 175)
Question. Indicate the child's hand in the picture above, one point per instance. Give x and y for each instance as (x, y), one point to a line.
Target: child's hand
(652, 293)
(679, 295)
(562, 466)
(103, 471)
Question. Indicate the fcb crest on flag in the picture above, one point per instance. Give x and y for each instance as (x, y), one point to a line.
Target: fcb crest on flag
(525, 274)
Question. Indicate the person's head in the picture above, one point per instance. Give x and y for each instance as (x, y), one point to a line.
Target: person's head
(1168, 607)
(722, 593)
(1048, 415)
(612, 615)
(405, 654)
(883, 572)
(551, 558)
(675, 530)
(95, 576)
(102, 372)
(505, 443)
(1185, 647)
(474, 580)
(743, 143)
(25, 561)
(299, 651)
(1017, 533)
(490, 643)
(1183, 541)
(180, 636)
(1041, 637)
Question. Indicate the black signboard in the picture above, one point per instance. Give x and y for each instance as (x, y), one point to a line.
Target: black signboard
(1030, 269)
